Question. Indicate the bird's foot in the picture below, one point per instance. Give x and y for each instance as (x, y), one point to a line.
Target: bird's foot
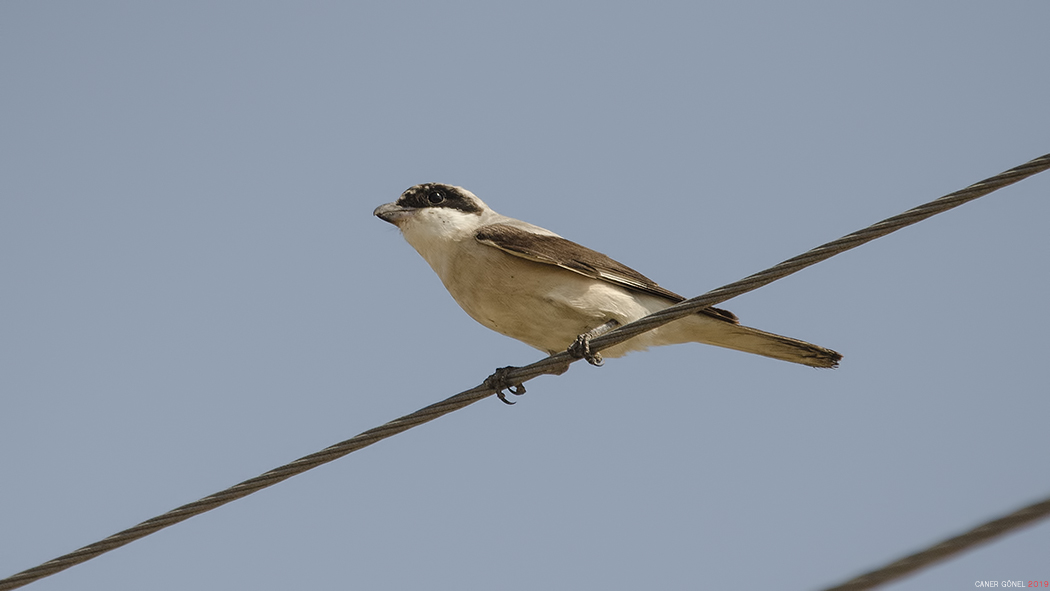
(499, 382)
(581, 348)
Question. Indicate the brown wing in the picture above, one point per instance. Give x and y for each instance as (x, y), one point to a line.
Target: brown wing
(555, 250)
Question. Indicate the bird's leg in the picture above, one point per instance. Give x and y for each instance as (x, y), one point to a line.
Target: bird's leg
(581, 348)
(499, 382)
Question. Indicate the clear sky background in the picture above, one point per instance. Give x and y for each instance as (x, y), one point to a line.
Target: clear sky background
(193, 290)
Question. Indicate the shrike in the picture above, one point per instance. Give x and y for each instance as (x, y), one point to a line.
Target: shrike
(530, 284)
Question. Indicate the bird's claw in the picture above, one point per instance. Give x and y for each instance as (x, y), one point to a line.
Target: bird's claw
(499, 382)
(581, 349)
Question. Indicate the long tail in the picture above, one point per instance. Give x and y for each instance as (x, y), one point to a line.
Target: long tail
(722, 329)
(751, 340)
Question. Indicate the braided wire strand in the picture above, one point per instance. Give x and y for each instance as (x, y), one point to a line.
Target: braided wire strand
(981, 534)
(554, 364)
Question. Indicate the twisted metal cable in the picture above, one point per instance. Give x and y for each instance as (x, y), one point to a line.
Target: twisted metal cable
(978, 535)
(555, 364)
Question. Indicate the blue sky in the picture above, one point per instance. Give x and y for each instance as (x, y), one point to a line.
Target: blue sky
(195, 290)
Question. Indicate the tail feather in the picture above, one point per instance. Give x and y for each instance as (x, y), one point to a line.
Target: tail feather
(759, 342)
(723, 330)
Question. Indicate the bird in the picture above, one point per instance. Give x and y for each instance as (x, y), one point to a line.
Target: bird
(530, 284)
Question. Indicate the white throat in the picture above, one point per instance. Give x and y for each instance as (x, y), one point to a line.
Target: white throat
(436, 232)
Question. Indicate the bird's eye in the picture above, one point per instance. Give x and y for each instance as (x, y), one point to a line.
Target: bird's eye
(435, 197)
